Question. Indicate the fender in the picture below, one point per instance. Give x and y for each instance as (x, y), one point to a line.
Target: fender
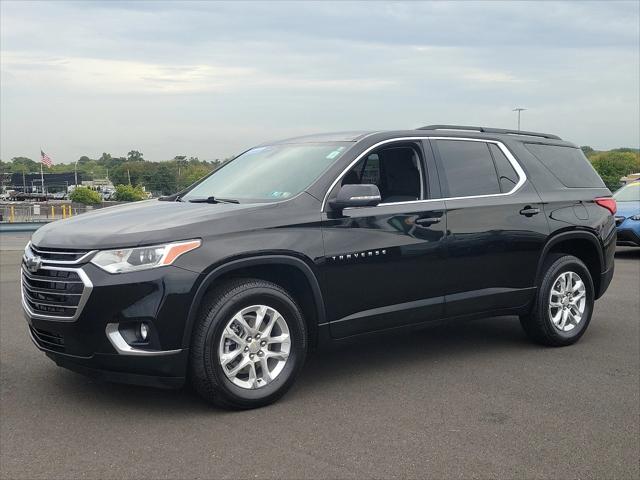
(251, 262)
(571, 235)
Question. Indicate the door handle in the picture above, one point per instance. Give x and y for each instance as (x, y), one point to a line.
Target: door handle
(428, 220)
(529, 211)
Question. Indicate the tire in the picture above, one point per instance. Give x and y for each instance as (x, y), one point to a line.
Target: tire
(539, 324)
(208, 348)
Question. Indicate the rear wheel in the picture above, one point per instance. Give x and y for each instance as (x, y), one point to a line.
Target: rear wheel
(248, 345)
(564, 304)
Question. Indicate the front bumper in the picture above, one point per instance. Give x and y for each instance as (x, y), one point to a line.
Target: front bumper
(167, 372)
(98, 341)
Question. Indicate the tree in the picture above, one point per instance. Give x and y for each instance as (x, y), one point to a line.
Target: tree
(105, 158)
(613, 165)
(24, 164)
(135, 156)
(129, 193)
(587, 150)
(85, 195)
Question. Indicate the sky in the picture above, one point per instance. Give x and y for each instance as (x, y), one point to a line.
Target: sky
(210, 79)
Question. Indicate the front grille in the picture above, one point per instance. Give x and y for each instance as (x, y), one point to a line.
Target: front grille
(48, 340)
(58, 255)
(54, 292)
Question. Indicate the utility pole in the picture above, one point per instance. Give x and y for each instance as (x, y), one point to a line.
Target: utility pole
(75, 170)
(129, 176)
(519, 110)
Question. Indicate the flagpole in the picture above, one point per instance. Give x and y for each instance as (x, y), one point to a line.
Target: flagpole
(42, 177)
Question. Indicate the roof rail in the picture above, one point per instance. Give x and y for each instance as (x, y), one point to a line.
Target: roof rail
(489, 130)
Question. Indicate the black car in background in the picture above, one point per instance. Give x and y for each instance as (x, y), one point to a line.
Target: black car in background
(318, 239)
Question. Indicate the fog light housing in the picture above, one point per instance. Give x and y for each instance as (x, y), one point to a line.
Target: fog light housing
(144, 331)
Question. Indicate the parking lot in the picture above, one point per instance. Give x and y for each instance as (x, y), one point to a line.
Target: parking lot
(472, 400)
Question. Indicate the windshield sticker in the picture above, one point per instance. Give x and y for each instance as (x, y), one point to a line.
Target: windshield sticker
(280, 194)
(335, 153)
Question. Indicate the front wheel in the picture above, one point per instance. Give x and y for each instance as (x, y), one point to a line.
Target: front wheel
(248, 345)
(564, 303)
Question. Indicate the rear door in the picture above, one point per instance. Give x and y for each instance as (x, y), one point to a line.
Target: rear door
(496, 226)
(383, 264)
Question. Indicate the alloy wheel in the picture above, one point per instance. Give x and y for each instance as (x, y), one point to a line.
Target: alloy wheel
(567, 301)
(254, 346)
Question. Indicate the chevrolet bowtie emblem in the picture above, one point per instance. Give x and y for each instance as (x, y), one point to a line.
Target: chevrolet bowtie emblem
(32, 262)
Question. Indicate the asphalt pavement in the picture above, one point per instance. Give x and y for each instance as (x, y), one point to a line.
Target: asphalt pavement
(472, 400)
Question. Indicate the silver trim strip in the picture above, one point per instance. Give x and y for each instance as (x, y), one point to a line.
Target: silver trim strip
(123, 348)
(38, 278)
(36, 251)
(55, 305)
(365, 197)
(88, 287)
(514, 163)
(48, 292)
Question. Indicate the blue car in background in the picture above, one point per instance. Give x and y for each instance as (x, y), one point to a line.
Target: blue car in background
(628, 214)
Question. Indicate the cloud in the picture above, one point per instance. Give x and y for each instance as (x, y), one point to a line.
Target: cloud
(211, 78)
(122, 76)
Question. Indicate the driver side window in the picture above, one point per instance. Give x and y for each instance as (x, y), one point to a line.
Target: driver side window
(395, 170)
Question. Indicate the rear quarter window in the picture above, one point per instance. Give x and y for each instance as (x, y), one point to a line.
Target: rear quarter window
(567, 164)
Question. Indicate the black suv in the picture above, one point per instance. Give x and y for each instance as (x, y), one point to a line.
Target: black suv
(303, 242)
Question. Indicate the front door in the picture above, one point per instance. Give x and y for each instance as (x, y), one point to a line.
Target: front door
(383, 264)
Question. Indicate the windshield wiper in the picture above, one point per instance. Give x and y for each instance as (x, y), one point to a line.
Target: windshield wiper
(214, 200)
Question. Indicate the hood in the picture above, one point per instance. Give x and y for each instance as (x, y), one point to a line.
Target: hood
(628, 209)
(139, 223)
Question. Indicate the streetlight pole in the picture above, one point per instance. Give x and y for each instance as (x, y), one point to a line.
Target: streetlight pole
(519, 110)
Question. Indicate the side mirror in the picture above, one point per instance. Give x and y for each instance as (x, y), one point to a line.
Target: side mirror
(350, 196)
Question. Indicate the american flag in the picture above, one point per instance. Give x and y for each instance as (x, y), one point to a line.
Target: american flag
(46, 159)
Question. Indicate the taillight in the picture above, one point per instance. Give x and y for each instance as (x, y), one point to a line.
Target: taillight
(608, 203)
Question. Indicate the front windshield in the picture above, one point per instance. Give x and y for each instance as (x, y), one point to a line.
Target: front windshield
(270, 173)
(628, 193)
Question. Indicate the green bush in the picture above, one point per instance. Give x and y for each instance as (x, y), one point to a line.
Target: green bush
(129, 193)
(613, 165)
(85, 195)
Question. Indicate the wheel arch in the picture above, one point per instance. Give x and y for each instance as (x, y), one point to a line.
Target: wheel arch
(582, 244)
(304, 283)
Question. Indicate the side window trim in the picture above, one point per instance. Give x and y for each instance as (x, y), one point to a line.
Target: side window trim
(495, 162)
(495, 167)
(522, 177)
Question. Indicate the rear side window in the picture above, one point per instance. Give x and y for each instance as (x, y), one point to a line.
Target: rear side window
(507, 175)
(568, 164)
(467, 168)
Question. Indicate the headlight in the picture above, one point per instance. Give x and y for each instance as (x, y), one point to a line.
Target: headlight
(635, 217)
(142, 258)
